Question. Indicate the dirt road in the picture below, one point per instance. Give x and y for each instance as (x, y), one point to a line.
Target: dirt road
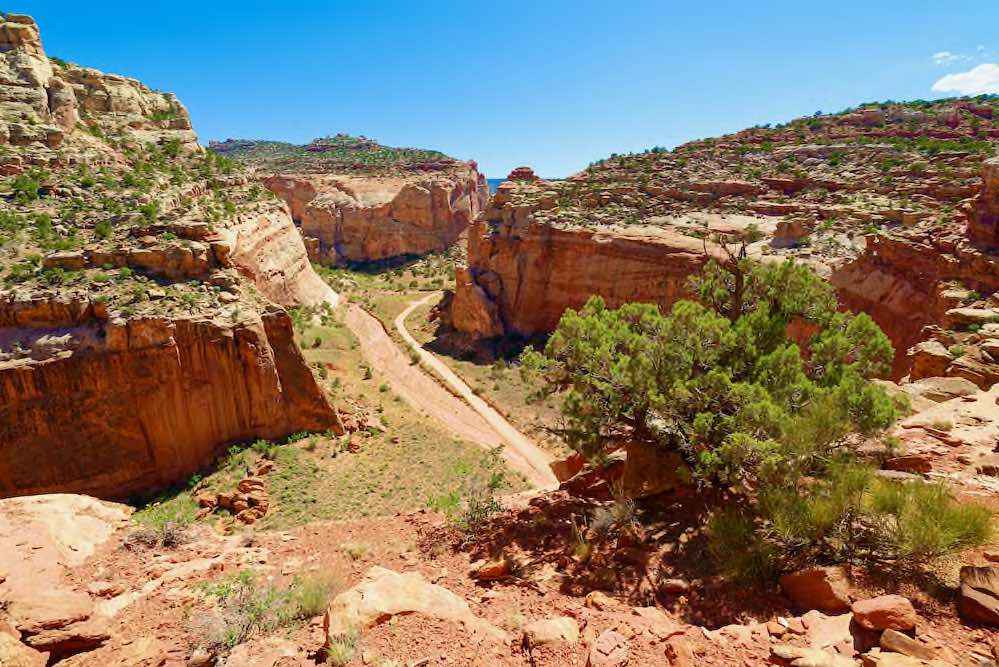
(472, 418)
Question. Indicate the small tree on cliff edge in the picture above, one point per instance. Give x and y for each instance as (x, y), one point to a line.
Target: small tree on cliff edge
(719, 380)
(750, 407)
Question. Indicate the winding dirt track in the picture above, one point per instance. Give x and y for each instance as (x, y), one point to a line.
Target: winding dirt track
(472, 419)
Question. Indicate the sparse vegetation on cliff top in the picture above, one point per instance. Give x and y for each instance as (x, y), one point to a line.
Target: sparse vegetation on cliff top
(341, 153)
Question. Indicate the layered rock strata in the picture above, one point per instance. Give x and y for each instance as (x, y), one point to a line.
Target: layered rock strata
(348, 218)
(138, 328)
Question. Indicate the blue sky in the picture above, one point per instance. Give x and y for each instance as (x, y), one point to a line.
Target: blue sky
(546, 83)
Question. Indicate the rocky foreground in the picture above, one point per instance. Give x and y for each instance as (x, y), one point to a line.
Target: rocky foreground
(82, 587)
(358, 201)
(141, 325)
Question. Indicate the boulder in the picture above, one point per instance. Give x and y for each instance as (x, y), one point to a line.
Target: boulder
(490, 570)
(912, 463)
(550, 631)
(565, 469)
(15, 654)
(969, 316)
(892, 640)
(679, 653)
(799, 656)
(649, 471)
(600, 601)
(383, 593)
(940, 389)
(823, 588)
(58, 621)
(929, 359)
(978, 599)
(609, 650)
(885, 612)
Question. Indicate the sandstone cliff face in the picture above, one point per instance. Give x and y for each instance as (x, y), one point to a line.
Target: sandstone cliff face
(915, 282)
(366, 218)
(522, 274)
(45, 103)
(267, 248)
(138, 331)
(131, 406)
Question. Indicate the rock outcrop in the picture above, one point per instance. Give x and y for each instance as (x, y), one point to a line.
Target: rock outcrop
(522, 274)
(117, 407)
(266, 247)
(983, 211)
(356, 200)
(138, 331)
(359, 218)
(41, 539)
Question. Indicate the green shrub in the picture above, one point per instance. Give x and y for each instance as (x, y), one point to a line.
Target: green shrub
(341, 649)
(245, 608)
(739, 552)
(922, 521)
(104, 229)
(470, 508)
(26, 186)
(847, 515)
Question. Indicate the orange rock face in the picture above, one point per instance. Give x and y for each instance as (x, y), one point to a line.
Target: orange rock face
(533, 272)
(983, 217)
(364, 218)
(901, 281)
(142, 404)
(268, 249)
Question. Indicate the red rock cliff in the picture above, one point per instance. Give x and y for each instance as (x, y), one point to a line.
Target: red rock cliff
(523, 274)
(134, 406)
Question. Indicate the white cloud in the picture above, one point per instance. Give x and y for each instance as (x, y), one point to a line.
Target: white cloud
(947, 58)
(977, 81)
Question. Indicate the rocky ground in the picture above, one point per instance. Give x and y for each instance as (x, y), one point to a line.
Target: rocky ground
(83, 585)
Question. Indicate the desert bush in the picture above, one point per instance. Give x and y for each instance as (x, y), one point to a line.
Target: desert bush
(26, 187)
(719, 380)
(244, 607)
(341, 649)
(739, 552)
(753, 410)
(847, 515)
(470, 508)
(616, 515)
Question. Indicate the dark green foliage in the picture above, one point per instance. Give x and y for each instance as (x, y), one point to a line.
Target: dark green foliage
(338, 153)
(26, 186)
(761, 385)
(719, 380)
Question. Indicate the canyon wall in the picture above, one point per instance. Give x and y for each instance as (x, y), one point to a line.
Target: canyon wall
(360, 218)
(266, 247)
(139, 334)
(523, 274)
(115, 407)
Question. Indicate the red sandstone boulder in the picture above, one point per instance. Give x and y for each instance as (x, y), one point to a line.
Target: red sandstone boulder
(885, 612)
(15, 654)
(978, 599)
(823, 588)
(609, 650)
(566, 468)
